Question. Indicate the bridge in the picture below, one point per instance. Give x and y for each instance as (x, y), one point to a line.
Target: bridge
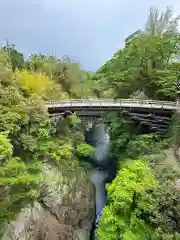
(152, 113)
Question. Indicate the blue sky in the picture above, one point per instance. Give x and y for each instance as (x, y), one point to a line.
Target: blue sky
(90, 31)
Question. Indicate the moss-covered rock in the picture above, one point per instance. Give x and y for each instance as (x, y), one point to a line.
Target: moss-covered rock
(65, 209)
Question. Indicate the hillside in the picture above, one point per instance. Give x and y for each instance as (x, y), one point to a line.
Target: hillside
(46, 192)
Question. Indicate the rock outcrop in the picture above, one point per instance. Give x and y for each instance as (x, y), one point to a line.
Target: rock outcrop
(65, 210)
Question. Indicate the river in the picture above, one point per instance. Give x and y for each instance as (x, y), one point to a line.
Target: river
(103, 170)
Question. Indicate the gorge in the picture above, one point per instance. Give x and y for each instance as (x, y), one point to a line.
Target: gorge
(100, 174)
(54, 175)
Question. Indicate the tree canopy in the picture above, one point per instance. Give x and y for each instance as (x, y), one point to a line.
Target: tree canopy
(148, 62)
(143, 199)
(27, 135)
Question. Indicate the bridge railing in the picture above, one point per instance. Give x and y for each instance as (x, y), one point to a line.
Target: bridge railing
(112, 101)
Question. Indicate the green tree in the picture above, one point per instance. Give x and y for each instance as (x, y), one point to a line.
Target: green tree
(32, 136)
(16, 58)
(66, 73)
(146, 67)
(142, 204)
(148, 62)
(121, 131)
(19, 182)
(145, 144)
(128, 199)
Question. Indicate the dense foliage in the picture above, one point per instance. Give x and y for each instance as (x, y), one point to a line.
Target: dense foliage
(148, 63)
(19, 181)
(142, 204)
(27, 135)
(143, 199)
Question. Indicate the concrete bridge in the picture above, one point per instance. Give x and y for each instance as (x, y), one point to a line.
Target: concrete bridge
(153, 114)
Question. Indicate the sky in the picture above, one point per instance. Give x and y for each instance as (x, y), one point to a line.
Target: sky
(89, 31)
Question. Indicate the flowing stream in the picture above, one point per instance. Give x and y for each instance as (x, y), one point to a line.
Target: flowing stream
(102, 170)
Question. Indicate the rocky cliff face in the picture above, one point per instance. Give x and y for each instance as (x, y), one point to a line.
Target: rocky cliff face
(65, 210)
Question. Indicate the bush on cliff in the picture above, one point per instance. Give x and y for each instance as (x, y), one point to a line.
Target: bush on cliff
(27, 135)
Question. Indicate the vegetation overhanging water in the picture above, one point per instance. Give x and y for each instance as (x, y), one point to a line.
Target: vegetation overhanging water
(144, 198)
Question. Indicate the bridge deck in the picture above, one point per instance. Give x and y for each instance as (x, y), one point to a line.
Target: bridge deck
(110, 105)
(147, 112)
